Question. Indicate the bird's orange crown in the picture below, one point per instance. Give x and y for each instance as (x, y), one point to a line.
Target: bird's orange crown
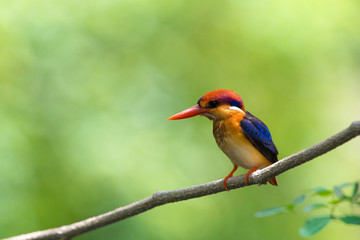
(214, 105)
(221, 96)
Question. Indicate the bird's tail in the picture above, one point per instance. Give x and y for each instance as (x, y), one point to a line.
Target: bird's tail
(273, 181)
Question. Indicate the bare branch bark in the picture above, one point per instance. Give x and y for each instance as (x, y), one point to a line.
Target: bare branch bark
(164, 197)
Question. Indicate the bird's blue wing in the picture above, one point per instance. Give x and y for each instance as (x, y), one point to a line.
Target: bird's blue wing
(259, 135)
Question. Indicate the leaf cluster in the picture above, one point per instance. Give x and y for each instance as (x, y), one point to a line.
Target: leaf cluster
(331, 200)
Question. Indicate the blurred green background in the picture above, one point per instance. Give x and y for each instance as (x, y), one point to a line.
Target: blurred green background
(86, 87)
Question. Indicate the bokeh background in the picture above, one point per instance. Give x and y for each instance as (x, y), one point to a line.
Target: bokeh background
(86, 88)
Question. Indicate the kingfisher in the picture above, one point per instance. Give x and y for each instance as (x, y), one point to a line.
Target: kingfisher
(244, 138)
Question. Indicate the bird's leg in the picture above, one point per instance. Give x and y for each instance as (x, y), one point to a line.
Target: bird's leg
(229, 176)
(248, 173)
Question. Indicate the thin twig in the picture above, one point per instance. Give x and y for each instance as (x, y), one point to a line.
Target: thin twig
(164, 197)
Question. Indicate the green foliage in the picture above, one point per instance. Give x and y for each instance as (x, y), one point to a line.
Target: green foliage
(351, 220)
(299, 200)
(331, 199)
(271, 211)
(314, 225)
(314, 206)
(321, 191)
(281, 209)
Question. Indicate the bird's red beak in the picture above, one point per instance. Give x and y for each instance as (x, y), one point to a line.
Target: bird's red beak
(190, 112)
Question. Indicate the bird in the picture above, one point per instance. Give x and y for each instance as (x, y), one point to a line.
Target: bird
(244, 138)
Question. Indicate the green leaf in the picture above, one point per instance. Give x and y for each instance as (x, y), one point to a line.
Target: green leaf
(314, 206)
(344, 198)
(338, 192)
(314, 225)
(271, 211)
(335, 201)
(321, 191)
(299, 200)
(345, 184)
(290, 207)
(357, 196)
(356, 189)
(351, 219)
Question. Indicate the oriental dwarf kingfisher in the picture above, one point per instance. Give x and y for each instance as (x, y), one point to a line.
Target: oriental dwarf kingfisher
(245, 139)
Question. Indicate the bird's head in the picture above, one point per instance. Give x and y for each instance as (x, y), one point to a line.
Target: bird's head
(215, 105)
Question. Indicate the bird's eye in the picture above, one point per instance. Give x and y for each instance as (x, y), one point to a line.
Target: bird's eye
(213, 104)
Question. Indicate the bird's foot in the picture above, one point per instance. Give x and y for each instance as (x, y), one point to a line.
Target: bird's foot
(248, 173)
(229, 176)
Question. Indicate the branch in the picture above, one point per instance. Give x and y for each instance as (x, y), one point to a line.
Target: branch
(164, 197)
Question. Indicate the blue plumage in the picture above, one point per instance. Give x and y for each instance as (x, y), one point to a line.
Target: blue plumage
(259, 135)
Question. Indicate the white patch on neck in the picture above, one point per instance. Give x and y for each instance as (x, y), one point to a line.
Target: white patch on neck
(236, 109)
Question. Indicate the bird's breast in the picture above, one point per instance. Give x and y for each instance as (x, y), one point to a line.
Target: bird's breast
(232, 141)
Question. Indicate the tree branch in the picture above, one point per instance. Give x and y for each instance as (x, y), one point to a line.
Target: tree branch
(163, 197)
